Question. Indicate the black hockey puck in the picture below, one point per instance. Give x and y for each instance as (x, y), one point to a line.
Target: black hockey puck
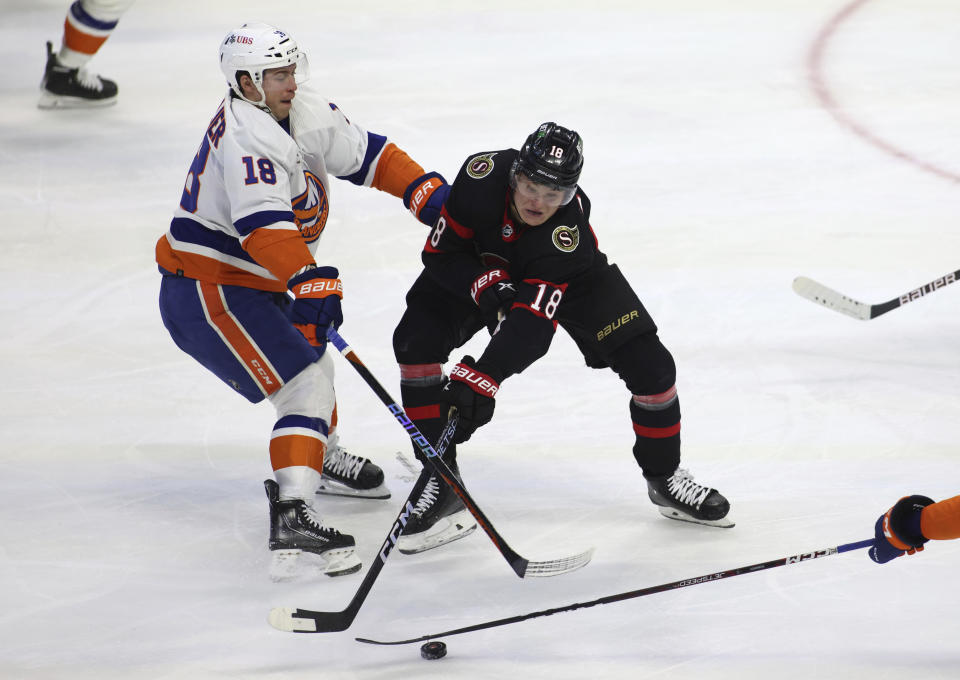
(433, 650)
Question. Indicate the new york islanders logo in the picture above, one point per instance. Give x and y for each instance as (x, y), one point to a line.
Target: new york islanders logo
(480, 166)
(310, 209)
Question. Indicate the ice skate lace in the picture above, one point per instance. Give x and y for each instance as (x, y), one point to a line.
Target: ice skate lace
(685, 490)
(428, 497)
(309, 515)
(89, 81)
(339, 462)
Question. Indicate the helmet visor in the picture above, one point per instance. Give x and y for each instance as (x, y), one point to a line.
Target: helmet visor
(302, 74)
(530, 186)
(301, 71)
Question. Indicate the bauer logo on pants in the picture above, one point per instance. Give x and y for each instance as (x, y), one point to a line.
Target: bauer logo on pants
(622, 321)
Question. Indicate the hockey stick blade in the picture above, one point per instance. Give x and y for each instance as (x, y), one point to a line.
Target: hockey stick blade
(521, 566)
(828, 297)
(674, 585)
(309, 621)
(306, 621)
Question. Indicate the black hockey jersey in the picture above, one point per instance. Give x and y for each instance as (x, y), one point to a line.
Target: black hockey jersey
(559, 271)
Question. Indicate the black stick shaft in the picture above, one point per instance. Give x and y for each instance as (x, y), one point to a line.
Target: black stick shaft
(435, 461)
(619, 597)
(915, 294)
(329, 622)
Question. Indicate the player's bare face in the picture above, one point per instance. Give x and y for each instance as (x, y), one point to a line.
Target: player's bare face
(279, 89)
(535, 203)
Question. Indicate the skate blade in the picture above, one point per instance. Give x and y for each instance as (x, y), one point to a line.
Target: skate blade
(54, 101)
(331, 487)
(449, 529)
(293, 565)
(673, 513)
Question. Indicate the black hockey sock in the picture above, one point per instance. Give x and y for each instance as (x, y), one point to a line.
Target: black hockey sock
(657, 447)
(421, 388)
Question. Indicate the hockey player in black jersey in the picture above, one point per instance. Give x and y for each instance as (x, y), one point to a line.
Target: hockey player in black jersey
(513, 251)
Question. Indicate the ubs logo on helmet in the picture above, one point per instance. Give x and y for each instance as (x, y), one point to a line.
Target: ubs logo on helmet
(310, 209)
(566, 238)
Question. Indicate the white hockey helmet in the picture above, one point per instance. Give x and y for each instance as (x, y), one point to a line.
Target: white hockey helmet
(255, 47)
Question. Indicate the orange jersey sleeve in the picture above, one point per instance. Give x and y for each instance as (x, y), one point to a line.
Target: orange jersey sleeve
(941, 520)
(282, 251)
(395, 170)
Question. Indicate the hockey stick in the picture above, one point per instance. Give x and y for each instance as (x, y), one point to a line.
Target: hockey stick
(817, 292)
(522, 566)
(803, 557)
(309, 621)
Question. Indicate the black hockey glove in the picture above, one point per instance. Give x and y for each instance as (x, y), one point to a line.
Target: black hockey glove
(898, 530)
(316, 306)
(471, 391)
(494, 293)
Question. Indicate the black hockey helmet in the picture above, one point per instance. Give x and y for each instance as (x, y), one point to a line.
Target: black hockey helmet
(553, 155)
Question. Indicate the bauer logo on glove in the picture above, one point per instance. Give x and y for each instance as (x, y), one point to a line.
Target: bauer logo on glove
(478, 382)
(320, 288)
(488, 279)
(471, 392)
(316, 306)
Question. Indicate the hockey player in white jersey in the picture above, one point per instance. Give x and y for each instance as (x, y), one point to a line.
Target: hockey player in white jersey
(244, 238)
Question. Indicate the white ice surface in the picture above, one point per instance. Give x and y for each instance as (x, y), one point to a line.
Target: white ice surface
(132, 515)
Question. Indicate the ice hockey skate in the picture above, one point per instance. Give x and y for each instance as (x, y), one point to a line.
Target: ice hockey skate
(67, 88)
(347, 475)
(298, 538)
(438, 518)
(679, 497)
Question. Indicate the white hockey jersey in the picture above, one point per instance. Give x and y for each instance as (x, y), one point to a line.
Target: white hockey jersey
(256, 194)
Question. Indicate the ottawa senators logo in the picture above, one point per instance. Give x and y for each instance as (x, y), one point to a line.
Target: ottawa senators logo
(566, 238)
(480, 166)
(310, 209)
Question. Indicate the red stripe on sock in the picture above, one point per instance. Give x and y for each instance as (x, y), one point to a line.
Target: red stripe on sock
(656, 432)
(423, 412)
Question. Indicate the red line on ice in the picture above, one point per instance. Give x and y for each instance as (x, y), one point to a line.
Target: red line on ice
(815, 61)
